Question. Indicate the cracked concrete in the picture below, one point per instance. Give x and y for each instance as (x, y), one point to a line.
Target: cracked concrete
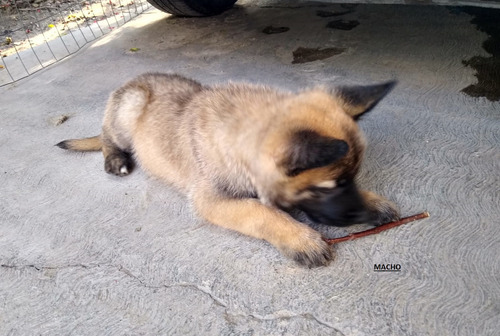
(229, 315)
(85, 253)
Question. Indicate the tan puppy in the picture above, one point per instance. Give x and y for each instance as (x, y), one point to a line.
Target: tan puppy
(245, 154)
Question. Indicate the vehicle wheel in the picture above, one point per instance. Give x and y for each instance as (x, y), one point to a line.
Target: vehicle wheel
(193, 7)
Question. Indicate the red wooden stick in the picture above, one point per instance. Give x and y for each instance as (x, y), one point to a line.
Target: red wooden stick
(378, 229)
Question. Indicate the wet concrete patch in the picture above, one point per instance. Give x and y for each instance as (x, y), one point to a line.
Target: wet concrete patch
(487, 68)
(342, 24)
(305, 55)
(275, 30)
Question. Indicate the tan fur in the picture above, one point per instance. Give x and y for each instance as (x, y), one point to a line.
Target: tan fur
(223, 146)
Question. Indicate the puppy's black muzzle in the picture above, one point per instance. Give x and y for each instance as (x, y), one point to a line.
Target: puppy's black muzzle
(340, 206)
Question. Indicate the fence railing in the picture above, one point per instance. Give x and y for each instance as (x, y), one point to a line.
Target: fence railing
(37, 33)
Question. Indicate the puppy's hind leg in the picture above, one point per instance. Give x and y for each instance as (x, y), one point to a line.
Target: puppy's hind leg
(116, 161)
(124, 108)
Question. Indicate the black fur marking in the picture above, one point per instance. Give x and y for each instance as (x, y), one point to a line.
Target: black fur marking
(339, 206)
(310, 150)
(63, 144)
(364, 97)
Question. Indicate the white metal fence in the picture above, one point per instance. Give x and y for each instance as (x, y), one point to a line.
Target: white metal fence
(37, 33)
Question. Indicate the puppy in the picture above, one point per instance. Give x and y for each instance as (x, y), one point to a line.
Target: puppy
(245, 155)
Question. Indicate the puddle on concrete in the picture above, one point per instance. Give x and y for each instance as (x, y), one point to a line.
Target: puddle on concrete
(305, 55)
(322, 13)
(487, 68)
(342, 24)
(275, 30)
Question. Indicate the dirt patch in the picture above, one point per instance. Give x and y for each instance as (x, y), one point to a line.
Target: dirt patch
(323, 13)
(275, 30)
(487, 68)
(305, 55)
(59, 120)
(343, 24)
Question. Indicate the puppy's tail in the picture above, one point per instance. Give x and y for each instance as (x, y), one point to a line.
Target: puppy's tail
(82, 145)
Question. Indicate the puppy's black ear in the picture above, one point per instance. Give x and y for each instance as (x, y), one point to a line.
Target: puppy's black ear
(357, 100)
(309, 150)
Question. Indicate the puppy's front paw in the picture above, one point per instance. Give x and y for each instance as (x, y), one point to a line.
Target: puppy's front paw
(380, 210)
(309, 249)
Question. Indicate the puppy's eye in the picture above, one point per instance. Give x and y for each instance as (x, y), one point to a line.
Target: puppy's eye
(342, 182)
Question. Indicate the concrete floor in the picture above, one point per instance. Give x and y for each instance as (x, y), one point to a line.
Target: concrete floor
(86, 253)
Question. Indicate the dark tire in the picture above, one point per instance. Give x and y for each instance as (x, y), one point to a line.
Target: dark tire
(193, 7)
